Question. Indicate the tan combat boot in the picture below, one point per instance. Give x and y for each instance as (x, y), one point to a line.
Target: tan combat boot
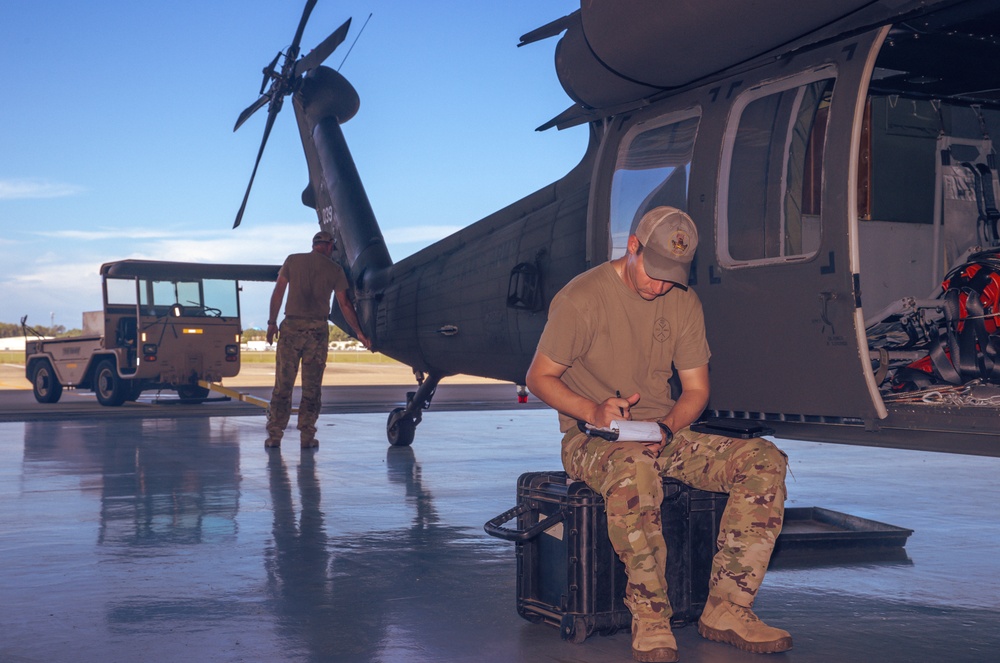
(736, 625)
(653, 642)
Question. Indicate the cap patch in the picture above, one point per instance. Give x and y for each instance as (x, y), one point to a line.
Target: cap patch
(680, 243)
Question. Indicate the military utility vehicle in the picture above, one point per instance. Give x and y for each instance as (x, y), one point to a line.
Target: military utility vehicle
(165, 325)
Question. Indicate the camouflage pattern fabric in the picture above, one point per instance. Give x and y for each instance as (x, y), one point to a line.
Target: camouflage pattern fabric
(628, 476)
(305, 341)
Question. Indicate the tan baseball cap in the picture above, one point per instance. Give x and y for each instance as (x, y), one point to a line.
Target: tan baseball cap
(669, 239)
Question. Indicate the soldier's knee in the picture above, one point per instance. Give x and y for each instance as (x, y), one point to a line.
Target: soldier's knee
(772, 458)
(767, 471)
(647, 476)
(634, 478)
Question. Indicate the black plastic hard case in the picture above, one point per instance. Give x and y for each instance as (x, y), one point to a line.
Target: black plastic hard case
(568, 575)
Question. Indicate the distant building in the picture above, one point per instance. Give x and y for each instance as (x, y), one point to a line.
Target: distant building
(350, 345)
(261, 346)
(12, 344)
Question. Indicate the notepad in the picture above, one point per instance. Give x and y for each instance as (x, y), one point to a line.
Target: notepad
(628, 431)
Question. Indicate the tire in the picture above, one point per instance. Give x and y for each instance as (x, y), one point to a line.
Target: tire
(192, 392)
(400, 429)
(44, 383)
(111, 390)
(134, 390)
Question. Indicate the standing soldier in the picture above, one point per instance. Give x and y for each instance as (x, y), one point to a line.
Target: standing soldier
(304, 336)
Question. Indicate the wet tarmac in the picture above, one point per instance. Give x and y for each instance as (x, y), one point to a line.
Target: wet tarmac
(20, 405)
(181, 539)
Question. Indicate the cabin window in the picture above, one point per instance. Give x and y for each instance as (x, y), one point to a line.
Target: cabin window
(208, 297)
(653, 168)
(222, 296)
(772, 181)
(120, 291)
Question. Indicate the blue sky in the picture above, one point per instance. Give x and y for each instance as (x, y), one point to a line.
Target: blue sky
(116, 133)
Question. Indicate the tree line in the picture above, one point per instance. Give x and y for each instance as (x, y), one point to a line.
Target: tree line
(336, 334)
(12, 329)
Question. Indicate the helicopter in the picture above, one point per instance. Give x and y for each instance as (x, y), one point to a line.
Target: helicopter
(838, 162)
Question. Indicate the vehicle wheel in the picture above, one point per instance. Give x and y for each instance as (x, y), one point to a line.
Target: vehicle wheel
(110, 389)
(44, 384)
(192, 392)
(134, 390)
(400, 429)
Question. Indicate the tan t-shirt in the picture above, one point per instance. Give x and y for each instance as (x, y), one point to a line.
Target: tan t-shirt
(312, 280)
(611, 339)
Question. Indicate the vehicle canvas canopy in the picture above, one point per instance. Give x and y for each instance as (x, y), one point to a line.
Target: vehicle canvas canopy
(165, 270)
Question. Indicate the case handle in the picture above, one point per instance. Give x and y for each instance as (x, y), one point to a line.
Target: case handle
(493, 526)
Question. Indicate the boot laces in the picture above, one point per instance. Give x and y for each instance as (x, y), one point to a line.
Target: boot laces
(745, 613)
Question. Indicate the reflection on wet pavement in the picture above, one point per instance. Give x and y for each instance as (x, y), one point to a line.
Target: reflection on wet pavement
(185, 540)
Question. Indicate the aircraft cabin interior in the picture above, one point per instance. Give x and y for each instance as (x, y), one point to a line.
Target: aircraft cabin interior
(928, 184)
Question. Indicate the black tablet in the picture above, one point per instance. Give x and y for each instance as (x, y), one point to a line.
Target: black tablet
(732, 428)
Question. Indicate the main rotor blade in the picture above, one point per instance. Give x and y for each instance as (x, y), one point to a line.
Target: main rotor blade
(315, 57)
(293, 50)
(251, 109)
(272, 113)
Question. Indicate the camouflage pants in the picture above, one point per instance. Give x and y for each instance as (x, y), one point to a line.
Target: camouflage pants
(628, 475)
(305, 342)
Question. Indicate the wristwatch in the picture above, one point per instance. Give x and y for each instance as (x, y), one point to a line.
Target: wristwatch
(666, 429)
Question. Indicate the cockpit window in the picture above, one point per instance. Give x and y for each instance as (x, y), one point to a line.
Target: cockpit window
(653, 168)
(770, 202)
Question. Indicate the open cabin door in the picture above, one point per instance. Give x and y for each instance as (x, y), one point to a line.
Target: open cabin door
(780, 285)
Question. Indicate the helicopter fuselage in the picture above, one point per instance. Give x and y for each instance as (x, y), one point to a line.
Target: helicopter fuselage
(817, 172)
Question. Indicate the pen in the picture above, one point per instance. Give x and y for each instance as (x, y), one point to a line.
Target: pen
(618, 394)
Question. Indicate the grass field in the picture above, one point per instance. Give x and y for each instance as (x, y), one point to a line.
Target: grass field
(257, 369)
(265, 357)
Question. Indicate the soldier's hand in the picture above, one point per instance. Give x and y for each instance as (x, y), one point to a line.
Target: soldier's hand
(657, 447)
(272, 331)
(613, 408)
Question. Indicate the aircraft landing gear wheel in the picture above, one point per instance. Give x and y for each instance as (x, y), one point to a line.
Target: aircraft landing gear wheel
(110, 389)
(44, 385)
(400, 428)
